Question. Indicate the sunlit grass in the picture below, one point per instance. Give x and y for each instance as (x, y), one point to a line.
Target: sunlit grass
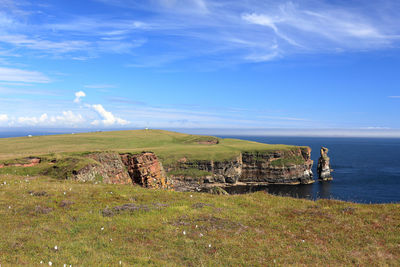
(39, 213)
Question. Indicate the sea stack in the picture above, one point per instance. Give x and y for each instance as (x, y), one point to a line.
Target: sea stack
(324, 168)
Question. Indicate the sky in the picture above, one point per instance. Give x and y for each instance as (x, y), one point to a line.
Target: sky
(250, 65)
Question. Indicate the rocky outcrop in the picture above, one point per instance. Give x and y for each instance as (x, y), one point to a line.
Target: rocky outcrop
(146, 170)
(107, 168)
(256, 168)
(26, 162)
(324, 168)
(112, 168)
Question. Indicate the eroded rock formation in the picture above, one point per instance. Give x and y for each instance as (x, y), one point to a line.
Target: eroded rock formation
(112, 168)
(324, 168)
(146, 170)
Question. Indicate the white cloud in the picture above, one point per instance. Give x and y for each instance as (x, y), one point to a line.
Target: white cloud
(67, 118)
(78, 96)
(108, 119)
(25, 76)
(3, 118)
(394, 96)
(33, 120)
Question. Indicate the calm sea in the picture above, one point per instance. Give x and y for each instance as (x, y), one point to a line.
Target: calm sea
(366, 170)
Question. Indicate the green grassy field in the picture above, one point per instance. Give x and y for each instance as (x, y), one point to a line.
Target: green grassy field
(165, 228)
(169, 146)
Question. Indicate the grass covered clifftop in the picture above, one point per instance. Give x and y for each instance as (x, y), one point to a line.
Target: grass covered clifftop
(103, 225)
(169, 146)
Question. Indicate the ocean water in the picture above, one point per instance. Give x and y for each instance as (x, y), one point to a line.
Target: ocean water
(366, 170)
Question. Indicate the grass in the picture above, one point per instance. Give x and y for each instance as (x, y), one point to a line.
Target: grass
(169, 146)
(38, 213)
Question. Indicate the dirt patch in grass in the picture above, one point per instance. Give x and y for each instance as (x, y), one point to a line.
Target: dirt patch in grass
(38, 193)
(43, 210)
(131, 208)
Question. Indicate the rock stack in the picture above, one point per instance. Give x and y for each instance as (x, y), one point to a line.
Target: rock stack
(324, 168)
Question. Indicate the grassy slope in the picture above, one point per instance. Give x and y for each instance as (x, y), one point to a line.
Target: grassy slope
(169, 146)
(243, 230)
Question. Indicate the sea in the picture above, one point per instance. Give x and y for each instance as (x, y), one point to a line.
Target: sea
(366, 170)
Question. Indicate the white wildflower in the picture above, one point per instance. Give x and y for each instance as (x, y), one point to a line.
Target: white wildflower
(102, 228)
(184, 232)
(201, 235)
(50, 263)
(55, 248)
(209, 245)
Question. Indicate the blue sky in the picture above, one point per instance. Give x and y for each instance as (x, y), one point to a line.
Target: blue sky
(195, 64)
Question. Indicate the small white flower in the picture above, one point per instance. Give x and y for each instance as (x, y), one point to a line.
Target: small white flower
(274, 261)
(209, 245)
(197, 226)
(110, 239)
(65, 193)
(184, 232)
(41, 262)
(102, 228)
(191, 195)
(303, 241)
(201, 235)
(65, 265)
(55, 248)
(9, 207)
(50, 263)
(70, 189)
(120, 262)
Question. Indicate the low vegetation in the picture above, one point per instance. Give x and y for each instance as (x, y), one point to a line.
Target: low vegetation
(66, 222)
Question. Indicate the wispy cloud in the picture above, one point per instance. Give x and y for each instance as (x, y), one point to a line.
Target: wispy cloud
(394, 96)
(25, 76)
(231, 31)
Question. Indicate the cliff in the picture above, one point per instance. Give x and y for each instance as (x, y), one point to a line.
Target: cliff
(256, 168)
(191, 162)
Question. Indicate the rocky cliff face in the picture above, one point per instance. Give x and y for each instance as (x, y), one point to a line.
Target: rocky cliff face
(324, 168)
(145, 169)
(112, 168)
(280, 167)
(257, 168)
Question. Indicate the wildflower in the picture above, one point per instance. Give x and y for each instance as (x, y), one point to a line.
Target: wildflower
(55, 248)
(184, 232)
(102, 228)
(201, 235)
(9, 207)
(191, 195)
(120, 262)
(65, 193)
(197, 226)
(303, 241)
(50, 263)
(209, 245)
(41, 262)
